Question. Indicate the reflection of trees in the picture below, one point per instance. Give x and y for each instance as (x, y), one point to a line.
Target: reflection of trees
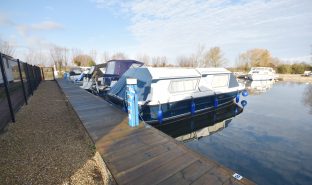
(307, 97)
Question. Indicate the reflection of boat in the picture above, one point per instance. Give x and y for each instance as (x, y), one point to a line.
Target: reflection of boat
(171, 93)
(257, 87)
(262, 73)
(202, 125)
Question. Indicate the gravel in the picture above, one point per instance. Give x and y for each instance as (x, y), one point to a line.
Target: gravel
(48, 144)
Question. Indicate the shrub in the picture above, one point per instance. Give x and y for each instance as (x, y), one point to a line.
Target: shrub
(284, 69)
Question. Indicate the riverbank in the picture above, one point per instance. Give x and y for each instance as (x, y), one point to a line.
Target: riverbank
(42, 147)
(295, 78)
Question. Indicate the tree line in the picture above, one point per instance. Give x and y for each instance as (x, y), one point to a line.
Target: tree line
(63, 57)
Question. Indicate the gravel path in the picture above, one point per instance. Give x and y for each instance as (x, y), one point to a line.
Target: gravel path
(48, 145)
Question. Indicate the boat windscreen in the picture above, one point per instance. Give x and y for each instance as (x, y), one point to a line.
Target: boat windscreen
(233, 81)
(118, 67)
(144, 80)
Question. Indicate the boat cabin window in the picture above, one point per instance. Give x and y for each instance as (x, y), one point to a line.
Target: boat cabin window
(110, 69)
(182, 85)
(219, 81)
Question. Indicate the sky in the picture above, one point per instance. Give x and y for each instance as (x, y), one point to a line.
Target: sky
(170, 28)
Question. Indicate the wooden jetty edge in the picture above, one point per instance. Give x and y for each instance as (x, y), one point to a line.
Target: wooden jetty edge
(142, 155)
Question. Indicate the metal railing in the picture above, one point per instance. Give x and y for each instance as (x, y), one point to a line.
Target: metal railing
(18, 81)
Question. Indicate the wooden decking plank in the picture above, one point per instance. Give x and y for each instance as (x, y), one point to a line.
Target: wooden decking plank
(118, 132)
(109, 141)
(131, 143)
(166, 170)
(123, 164)
(189, 174)
(232, 181)
(148, 166)
(145, 149)
(214, 176)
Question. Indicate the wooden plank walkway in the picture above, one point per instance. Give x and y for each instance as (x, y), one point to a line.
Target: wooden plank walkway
(141, 155)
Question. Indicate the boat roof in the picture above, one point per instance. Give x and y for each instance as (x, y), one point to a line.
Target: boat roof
(131, 61)
(212, 70)
(178, 72)
(264, 68)
(172, 72)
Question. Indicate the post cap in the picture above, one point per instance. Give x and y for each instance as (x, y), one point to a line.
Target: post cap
(131, 81)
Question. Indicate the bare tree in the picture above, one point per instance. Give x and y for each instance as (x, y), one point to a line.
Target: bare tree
(144, 58)
(7, 48)
(213, 58)
(119, 56)
(184, 61)
(59, 56)
(159, 61)
(197, 58)
(106, 56)
(66, 56)
(93, 54)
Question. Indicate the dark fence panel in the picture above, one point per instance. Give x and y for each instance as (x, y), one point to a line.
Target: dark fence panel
(15, 85)
(18, 80)
(5, 116)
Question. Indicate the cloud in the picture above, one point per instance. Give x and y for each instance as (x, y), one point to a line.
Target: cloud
(46, 25)
(50, 8)
(176, 27)
(25, 29)
(5, 21)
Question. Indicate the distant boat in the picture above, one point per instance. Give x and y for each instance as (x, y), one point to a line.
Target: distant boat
(169, 93)
(103, 76)
(262, 73)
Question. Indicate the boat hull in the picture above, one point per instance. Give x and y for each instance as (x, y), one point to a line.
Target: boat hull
(260, 77)
(177, 110)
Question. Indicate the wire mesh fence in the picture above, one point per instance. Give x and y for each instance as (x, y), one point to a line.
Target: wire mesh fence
(18, 80)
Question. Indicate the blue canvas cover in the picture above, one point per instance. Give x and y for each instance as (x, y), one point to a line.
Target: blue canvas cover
(144, 78)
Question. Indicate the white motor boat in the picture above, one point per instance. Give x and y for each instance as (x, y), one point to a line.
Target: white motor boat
(168, 93)
(262, 73)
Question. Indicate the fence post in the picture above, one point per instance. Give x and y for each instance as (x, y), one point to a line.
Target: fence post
(42, 73)
(22, 81)
(35, 76)
(5, 82)
(29, 81)
(53, 73)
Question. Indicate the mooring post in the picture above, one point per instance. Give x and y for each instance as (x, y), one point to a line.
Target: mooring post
(132, 102)
(6, 88)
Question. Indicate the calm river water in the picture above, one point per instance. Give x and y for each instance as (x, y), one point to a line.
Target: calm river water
(270, 142)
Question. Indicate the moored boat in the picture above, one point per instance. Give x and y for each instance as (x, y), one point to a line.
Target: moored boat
(103, 76)
(169, 93)
(262, 73)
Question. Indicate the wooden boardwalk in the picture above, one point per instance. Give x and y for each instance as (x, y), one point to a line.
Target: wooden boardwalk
(141, 155)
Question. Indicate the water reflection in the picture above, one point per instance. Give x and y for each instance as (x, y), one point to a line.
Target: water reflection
(307, 97)
(270, 143)
(258, 87)
(202, 125)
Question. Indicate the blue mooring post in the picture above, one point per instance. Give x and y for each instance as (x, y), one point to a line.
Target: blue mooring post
(132, 100)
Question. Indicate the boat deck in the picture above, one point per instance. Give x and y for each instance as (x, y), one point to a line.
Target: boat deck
(141, 155)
